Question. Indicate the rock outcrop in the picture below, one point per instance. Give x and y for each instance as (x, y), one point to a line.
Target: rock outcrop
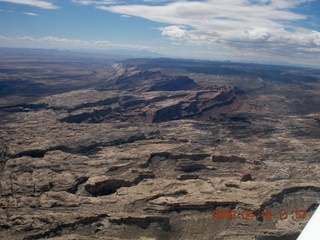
(200, 104)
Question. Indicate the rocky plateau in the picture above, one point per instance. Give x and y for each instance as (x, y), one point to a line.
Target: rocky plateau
(150, 148)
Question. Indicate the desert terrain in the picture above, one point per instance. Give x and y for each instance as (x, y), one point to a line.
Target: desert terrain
(102, 147)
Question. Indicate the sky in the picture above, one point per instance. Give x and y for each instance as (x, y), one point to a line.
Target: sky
(259, 31)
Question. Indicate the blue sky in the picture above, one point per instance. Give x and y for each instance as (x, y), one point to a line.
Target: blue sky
(286, 31)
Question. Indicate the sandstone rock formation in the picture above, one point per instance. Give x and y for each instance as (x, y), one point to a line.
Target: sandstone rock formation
(155, 162)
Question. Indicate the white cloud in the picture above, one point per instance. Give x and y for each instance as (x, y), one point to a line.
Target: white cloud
(234, 24)
(64, 43)
(174, 32)
(34, 3)
(30, 14)
(114, 2)
(25, 38)
(97, 2)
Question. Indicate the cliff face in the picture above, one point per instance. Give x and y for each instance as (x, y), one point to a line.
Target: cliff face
(153, 97)
(175, 84)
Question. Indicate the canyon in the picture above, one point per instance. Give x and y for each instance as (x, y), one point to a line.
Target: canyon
(99, 148)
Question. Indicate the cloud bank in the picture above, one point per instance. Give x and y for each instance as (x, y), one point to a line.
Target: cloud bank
(245, 25)
(64, 43)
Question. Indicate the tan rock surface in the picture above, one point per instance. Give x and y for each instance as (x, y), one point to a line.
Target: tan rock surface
(121, 174)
